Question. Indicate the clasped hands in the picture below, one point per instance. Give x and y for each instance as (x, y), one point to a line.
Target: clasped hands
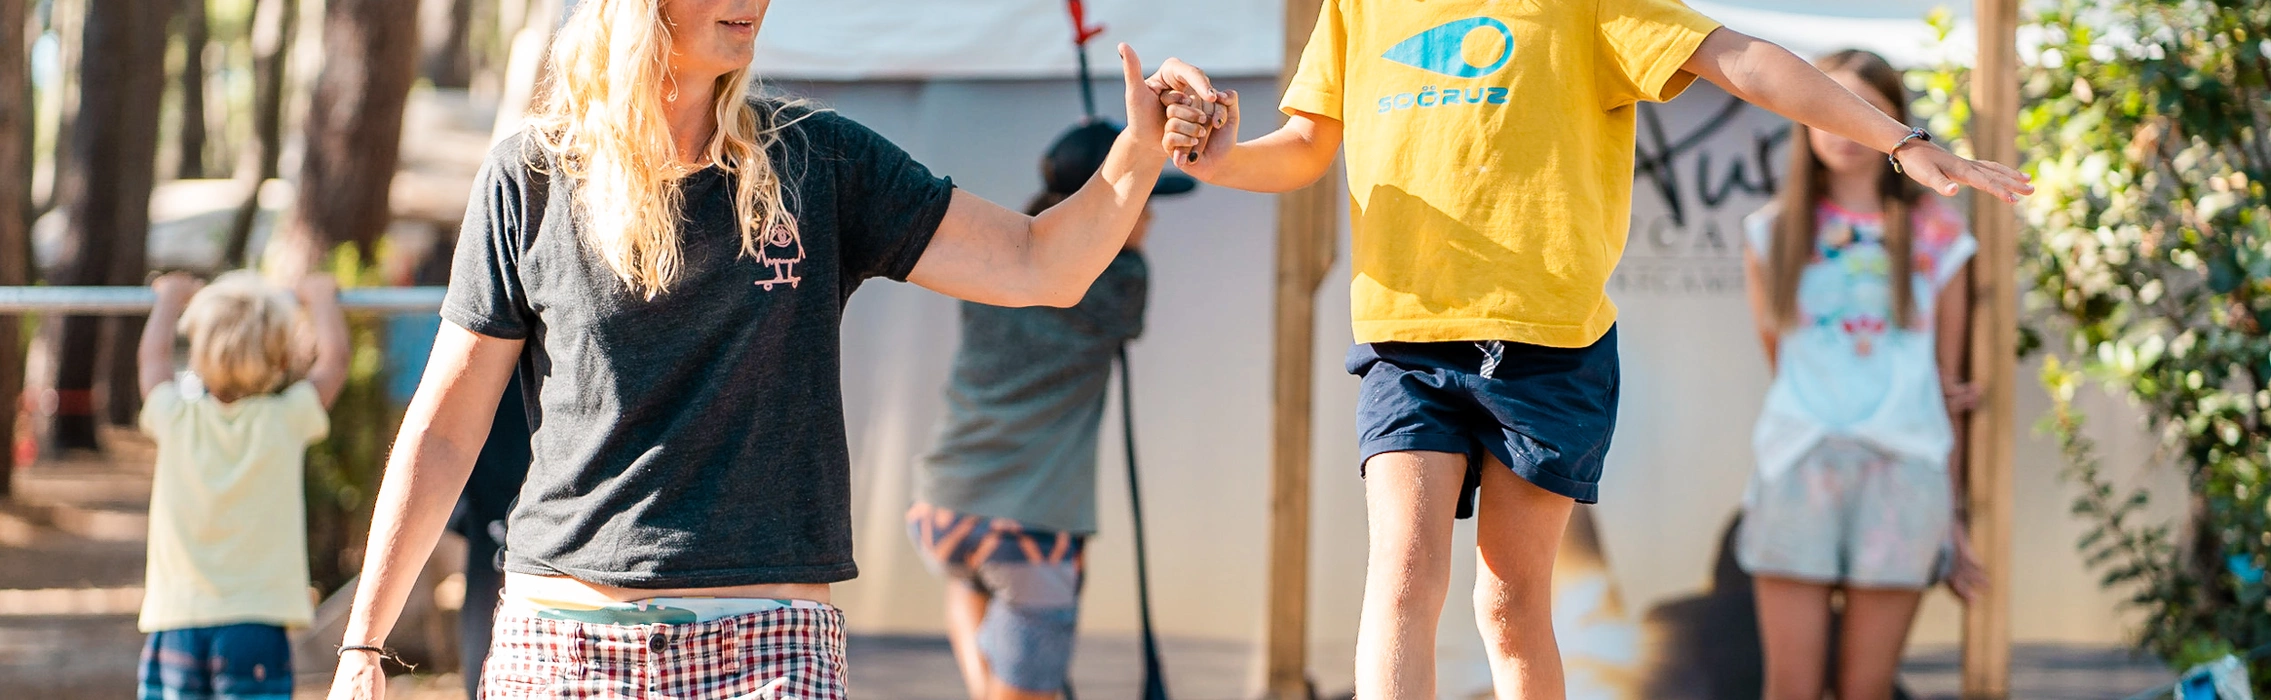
(1195, 114)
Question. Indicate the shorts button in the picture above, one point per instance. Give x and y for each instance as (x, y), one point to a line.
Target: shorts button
(658, 641)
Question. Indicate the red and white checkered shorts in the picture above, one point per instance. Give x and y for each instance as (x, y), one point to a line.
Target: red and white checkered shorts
(788, 654)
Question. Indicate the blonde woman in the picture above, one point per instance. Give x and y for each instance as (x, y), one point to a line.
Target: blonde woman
(667, 261)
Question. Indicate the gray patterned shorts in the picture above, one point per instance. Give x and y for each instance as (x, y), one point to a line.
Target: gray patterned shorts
(1848, 514)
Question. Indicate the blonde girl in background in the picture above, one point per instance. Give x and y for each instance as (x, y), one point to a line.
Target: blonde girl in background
(228, 570)
(1857, 283)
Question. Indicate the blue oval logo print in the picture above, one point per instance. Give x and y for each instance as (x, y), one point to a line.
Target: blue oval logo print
(1443, 49)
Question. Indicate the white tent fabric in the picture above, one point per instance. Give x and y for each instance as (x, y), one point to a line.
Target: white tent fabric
(902, 39)
(889, 39)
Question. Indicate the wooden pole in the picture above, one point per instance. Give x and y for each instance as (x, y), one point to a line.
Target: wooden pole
(1307, 224)
(1994, 355)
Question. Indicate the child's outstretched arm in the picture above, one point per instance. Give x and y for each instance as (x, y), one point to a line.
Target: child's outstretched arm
(1770, 76)
(319, 294)
(153, 356)
(1284, 160)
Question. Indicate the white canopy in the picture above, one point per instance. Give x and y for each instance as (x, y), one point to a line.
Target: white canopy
(905, 39)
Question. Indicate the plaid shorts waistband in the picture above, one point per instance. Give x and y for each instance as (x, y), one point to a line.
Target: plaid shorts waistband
(796, 652)
(785, 629)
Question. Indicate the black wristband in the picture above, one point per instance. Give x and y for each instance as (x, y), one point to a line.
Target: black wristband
(383, 653)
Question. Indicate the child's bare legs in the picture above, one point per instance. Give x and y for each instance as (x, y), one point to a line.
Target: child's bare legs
(965, 611)
(1518, 529)
(1409, 500)
(965, 608)
(1868, 650)
(1793, 626)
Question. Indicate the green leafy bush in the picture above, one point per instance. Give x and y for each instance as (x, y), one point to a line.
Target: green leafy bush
(2147, 125)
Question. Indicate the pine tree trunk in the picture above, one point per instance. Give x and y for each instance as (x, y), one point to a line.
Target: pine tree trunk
(353, 133)
(15, 213)
(106, 195)
(194, 36)
(274, 23)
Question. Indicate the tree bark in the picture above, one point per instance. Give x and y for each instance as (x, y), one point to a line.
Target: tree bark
(353, 133)
(106, 195)
(274, 23)
(448, 43)
(15, 215)
(194, 36)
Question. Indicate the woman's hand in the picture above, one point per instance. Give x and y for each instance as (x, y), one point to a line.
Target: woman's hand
(359, 677)
(1147, 118)
(1966, 578)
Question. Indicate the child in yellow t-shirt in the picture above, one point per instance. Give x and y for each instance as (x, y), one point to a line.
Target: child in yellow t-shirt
(1490, 157)
(228, 570)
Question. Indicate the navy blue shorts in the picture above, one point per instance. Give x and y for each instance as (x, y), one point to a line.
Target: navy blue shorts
(1547, 413)
(226, 662)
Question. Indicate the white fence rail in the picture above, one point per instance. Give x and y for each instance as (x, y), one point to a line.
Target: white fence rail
(133, 301)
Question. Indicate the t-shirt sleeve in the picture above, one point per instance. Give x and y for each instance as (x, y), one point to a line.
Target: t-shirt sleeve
(485, 295)
(1943, 243)
(1113, 308)
(1643, 44)
(1758, 230)
(160, 408)
(302, 407)
(1317, 85)
(888, 207)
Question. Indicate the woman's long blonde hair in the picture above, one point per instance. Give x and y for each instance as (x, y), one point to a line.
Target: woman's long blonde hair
(601, 118)
(1796, 226)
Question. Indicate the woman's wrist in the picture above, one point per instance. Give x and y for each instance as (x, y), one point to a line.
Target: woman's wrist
(376, 651)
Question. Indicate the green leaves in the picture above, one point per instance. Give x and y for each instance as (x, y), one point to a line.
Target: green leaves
(2148, 247)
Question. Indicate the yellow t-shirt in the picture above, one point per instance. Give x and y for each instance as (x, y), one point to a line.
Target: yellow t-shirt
(1490, 151)
(228, 533)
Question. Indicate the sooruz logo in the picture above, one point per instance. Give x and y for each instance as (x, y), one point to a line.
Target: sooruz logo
(1445, 50)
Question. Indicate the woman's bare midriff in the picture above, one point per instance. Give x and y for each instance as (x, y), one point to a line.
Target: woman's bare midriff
(568, 590)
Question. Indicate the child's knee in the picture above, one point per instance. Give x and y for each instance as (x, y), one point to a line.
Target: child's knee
(1521, 600)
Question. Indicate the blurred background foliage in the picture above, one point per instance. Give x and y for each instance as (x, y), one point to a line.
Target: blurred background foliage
(2147, 126)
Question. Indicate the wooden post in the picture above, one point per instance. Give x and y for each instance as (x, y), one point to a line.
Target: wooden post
(1994, 355)
(1307, 224)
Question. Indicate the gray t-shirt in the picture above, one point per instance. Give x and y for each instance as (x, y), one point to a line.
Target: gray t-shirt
(1027, 394)
(695, 439)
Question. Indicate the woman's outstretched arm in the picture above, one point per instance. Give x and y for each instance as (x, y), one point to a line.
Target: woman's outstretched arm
(442, 432)
(991, 255)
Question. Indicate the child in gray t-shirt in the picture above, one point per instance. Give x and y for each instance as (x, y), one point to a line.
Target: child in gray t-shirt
(1005, 500)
